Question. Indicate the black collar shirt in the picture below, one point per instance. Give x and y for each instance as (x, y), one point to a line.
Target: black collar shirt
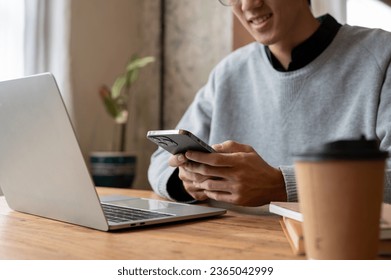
(311, 48)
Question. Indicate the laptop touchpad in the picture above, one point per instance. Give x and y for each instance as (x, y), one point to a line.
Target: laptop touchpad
(139, 203)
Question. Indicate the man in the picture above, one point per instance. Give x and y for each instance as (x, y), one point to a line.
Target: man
(304, 82)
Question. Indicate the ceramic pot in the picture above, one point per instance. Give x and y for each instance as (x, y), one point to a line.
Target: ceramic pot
(113, 169)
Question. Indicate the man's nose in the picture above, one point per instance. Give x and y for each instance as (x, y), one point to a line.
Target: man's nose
(251, 4)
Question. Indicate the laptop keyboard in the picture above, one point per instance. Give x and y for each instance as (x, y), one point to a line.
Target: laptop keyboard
(117, 214)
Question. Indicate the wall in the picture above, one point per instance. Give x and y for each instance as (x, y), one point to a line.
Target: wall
(104, 35)
(198, 36)
(337, 8)
(369, 13)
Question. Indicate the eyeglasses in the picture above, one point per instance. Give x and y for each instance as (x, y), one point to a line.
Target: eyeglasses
(229, 2)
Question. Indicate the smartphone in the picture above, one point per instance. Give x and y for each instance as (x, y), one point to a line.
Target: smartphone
(178, 141)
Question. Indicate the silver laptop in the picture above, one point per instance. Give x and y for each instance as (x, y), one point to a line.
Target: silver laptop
(43, 172)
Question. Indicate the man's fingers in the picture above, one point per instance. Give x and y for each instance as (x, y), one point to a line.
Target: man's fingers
(232, 147)
(186, 175)
(195, 192)
(203, 170)
(177, 160)
(220, 196)
(215, 185)
(226, 155)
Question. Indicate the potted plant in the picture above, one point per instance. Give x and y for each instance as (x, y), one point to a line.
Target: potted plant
(116, 168)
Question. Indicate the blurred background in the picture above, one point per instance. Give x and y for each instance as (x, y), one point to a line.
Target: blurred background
(87, 43)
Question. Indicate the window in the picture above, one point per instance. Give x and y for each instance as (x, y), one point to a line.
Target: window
(369, 13)
(11, 34)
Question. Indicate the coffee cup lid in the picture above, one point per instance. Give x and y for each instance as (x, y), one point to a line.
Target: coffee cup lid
(359, 149)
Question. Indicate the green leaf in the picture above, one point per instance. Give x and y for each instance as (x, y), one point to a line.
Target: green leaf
(111, 106)
(116, 99)
(118, 85)
(137, 63)
(133, 76)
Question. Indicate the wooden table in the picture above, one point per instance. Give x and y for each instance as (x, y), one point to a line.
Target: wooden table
(231, 236)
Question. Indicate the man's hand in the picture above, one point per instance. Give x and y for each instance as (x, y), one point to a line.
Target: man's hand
(235, 174)
(189, 179)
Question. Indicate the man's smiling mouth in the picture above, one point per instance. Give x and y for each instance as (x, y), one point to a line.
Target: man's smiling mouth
(259, 19)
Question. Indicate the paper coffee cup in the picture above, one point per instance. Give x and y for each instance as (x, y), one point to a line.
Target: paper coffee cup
(340, 187)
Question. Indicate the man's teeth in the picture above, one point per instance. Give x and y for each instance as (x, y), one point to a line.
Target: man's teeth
(261, 19)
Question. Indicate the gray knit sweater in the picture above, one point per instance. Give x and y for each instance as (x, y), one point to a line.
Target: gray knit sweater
(344, 93)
